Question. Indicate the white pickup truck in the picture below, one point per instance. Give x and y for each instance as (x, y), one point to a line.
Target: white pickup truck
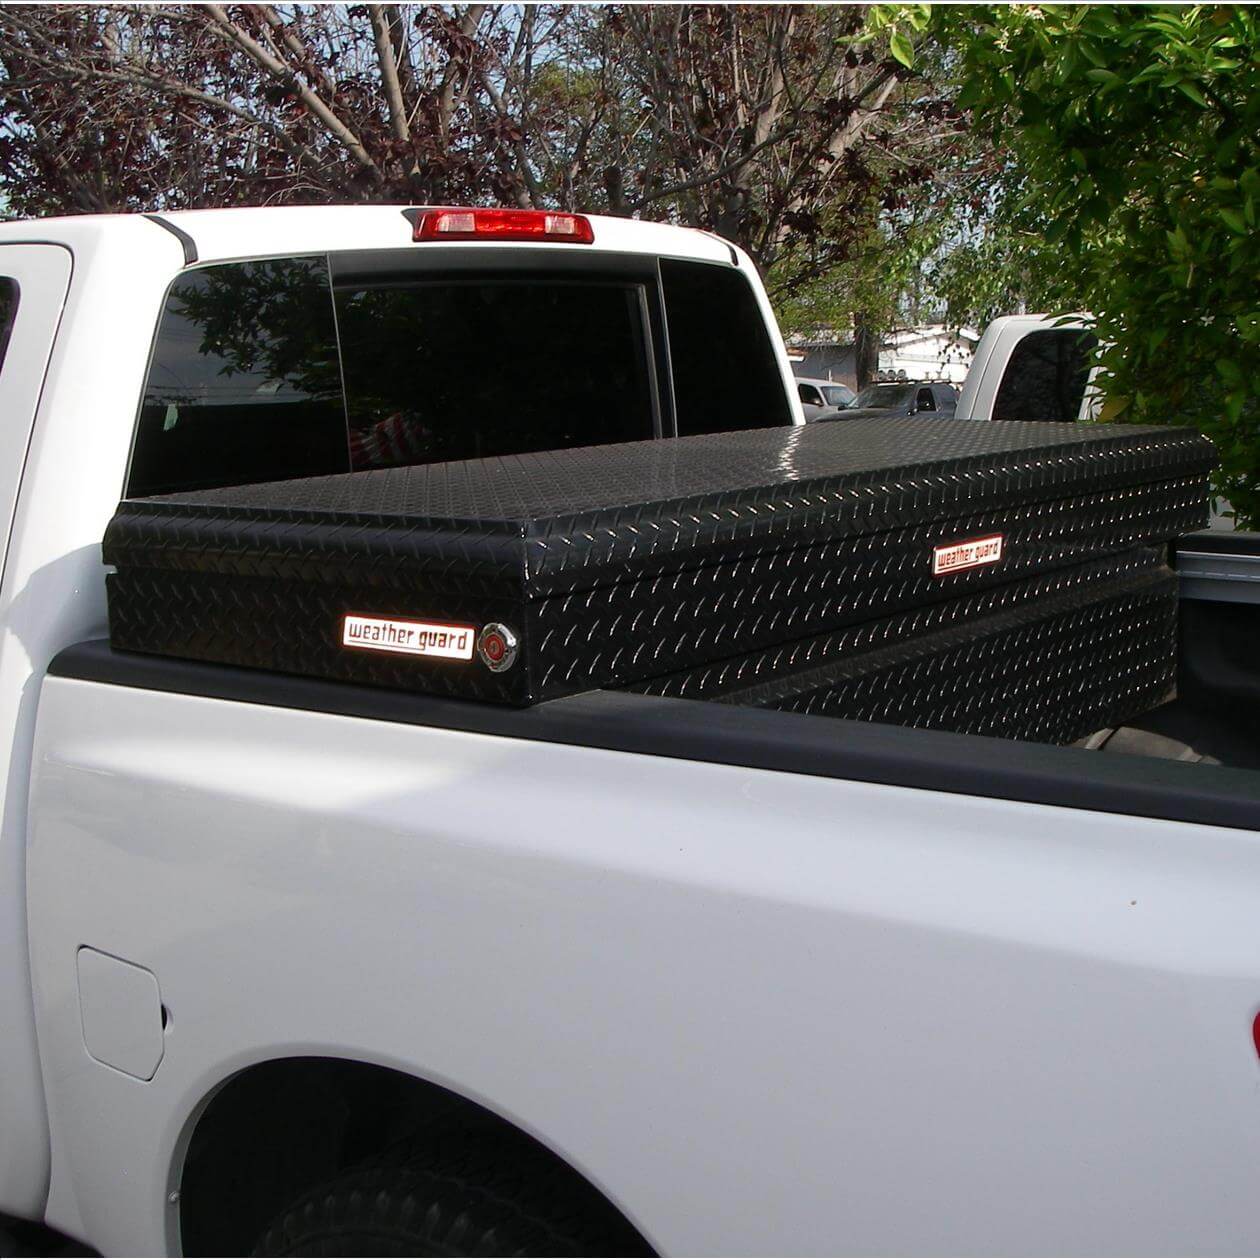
(293, 965)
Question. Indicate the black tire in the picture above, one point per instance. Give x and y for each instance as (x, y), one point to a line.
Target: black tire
(483, 1197)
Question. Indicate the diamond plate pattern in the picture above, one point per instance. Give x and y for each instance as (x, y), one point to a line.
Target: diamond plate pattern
(295, 628)
(623, 563)
(1050, 659)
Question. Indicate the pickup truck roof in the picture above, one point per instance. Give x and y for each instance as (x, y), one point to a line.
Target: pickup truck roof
(223, 235)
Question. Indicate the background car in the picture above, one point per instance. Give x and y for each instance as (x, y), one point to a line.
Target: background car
(910, 398)
(818, 396)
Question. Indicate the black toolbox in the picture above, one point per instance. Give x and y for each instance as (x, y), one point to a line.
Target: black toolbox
(1052, 658)
(521, 578)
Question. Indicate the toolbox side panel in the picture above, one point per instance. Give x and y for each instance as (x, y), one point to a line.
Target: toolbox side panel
(762, 1011)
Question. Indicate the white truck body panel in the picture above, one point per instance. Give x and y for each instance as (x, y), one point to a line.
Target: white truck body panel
(767, 1013)
(42, 275)
(53, 592)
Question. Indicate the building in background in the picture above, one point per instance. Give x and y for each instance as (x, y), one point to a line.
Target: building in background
(826, 354)
(930, 352)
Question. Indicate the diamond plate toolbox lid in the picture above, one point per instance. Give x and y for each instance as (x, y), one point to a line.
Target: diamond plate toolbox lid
(524, 577)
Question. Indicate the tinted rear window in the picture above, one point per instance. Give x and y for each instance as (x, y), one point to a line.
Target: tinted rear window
(1046, 376)
(725, 371)
(244, 384)
(262, 371)
(464, 370)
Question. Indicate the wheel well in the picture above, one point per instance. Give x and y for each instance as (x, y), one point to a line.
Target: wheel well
(279, 1128)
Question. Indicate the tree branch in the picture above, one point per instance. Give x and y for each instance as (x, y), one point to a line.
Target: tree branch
(388, 61)
(304, 92)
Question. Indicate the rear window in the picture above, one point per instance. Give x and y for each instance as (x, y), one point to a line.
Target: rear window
(725, 372)
(1046, 376)
(266, 371)
(244, 384)
(465, 370)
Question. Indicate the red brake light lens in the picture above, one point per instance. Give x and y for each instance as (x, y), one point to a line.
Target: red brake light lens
(503, 225)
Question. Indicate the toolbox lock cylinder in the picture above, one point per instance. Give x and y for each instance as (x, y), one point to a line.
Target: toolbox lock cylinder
(497, 646)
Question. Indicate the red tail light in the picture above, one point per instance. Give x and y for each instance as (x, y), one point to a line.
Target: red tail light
(503, 225)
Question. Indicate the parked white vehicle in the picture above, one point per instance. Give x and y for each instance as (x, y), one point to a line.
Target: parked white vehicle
(632, 974)
(1031, 367)
(818, 395)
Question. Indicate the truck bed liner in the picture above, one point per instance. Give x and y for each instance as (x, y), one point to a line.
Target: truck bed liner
(614, 565)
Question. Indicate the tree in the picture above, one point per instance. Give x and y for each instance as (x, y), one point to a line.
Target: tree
(772, 125)
(114, 108)
(1133, 135)
(896, 193)
(793, 130)
(757, 122)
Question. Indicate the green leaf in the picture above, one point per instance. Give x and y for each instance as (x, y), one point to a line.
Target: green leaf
(1233, 220)
(971, 94)
(1153, 71)
(1193, 93)
(901, 48)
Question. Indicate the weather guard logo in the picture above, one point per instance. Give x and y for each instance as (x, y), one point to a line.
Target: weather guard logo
(410, 638)
(966, 555)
